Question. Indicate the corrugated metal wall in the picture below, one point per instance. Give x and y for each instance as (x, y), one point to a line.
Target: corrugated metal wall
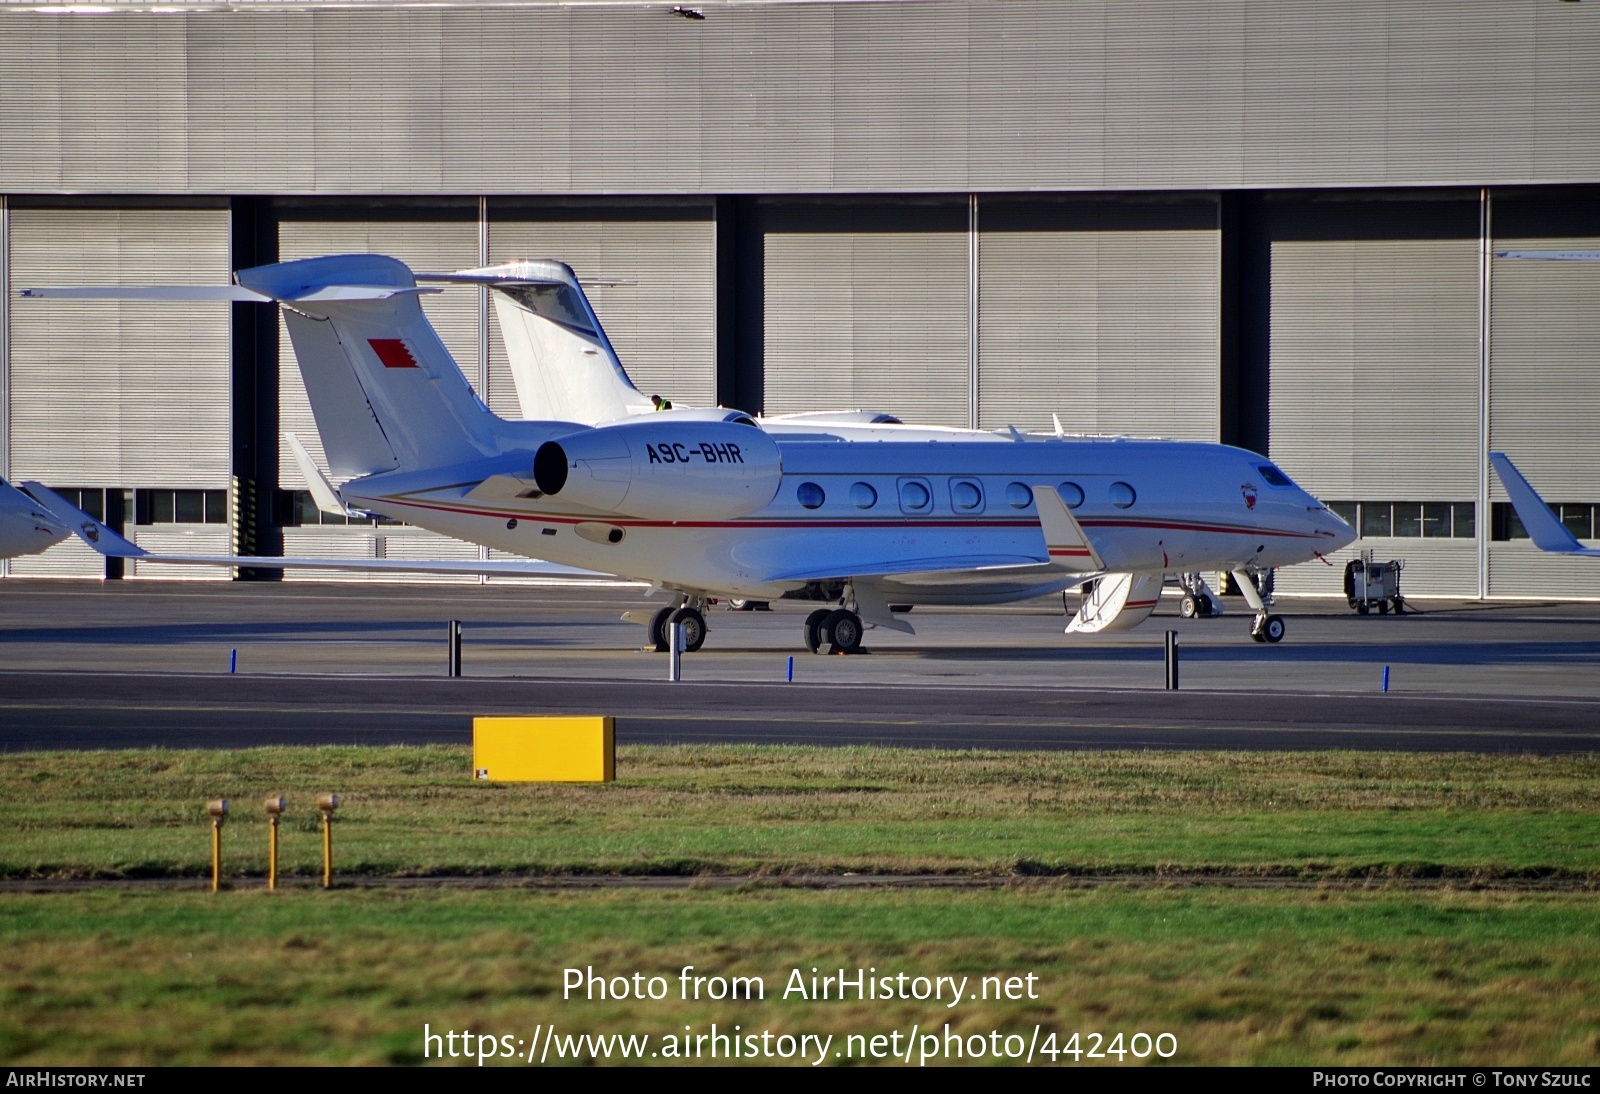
(1375, 357)
(866, 306)
(662, 324)
(109, 393)
(947, 96)
(1104, 312)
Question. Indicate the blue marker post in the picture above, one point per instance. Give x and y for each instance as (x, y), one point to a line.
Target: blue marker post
(233, 661)
(1386, 679)
(791, 670)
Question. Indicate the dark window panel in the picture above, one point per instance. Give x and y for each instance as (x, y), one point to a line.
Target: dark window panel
(1408, 519)
(216, 504)
(189, 506)
(1464, 522)
(1375, 519)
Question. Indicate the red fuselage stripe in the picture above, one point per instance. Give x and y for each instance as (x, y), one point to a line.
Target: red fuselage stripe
(909, 522)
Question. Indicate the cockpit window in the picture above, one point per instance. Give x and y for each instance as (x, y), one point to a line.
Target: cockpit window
(1272, 475)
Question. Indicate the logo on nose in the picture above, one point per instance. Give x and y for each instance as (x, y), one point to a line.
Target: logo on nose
(1249, 493)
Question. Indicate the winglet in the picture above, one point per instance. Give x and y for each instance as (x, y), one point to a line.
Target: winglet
(322, 491)
(96, 535)
(1063, 536)
(1544, 527)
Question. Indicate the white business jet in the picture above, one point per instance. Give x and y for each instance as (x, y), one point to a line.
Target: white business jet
(26, 526)
(852, 516)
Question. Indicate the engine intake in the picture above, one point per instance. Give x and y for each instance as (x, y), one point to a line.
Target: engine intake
(663, 470)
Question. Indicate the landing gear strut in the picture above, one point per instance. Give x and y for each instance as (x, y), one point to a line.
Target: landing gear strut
(1265, 627)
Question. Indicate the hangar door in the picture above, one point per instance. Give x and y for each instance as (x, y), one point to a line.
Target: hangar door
(1374, 366)
(1103, 312)
(865, 305)
(1544, 388)
(427, 237)
(126, 396)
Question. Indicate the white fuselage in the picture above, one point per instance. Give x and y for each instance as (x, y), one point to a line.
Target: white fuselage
(25, 527)
(850, 498)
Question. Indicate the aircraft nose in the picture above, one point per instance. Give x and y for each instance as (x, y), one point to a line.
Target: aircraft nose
(1330, 522)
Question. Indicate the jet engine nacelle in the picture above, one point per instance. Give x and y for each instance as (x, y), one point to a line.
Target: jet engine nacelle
(663, 470)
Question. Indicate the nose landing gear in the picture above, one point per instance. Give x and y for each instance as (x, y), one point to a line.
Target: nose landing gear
(1265, 627)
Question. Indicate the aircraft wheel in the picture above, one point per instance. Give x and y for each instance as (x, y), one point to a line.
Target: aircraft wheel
(694, 628)
(1273, 629)
(658, 629)
(843, 630)
(814, 637)
(1188, 607)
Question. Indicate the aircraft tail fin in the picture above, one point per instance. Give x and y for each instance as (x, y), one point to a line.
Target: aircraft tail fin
(564, 367)
(385, 392)
(1544, 527)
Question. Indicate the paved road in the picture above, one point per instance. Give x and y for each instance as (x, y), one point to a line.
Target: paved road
(132, 664)
(93, 710)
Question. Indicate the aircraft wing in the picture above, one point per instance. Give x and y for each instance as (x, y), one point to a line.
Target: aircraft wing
(110, 544)
(1544, 527)
(922, 567)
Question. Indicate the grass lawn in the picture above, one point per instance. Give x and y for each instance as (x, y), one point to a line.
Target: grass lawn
(1384, 975)
(704, 809)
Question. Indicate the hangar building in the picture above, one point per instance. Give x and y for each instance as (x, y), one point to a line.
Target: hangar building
(1268, 224)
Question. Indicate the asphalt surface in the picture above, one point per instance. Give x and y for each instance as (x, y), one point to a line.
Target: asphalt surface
(142, 664)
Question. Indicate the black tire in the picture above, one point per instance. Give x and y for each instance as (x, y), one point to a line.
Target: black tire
(1255, 636)
(844, 630)
(1362, 607)
(814, 637)
(1273, 629)
(694, 628)
(1188, 607)
(658, 629)
(1383, 607)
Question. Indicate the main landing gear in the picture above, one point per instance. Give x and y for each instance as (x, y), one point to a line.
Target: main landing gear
(839, 629)
(691, 619)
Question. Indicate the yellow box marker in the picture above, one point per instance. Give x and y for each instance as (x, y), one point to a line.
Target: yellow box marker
(544, 750)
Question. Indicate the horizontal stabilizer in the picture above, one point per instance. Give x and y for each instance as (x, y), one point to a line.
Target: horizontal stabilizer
(110, 544)
(197, 293)
(1544, 527)
(1553, 256)
(223, 294)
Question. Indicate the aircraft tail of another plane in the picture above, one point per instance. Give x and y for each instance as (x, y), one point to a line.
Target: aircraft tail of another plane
(564, 367)
(1540, 521)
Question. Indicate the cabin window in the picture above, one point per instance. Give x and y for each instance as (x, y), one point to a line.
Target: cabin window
(1018, 496)
(1122, 495)
(1072, 494)
(966, 496)
(863, 496)
(811, 495)
(915, 496)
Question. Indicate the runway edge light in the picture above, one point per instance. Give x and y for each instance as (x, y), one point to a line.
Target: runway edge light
(548, 750)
